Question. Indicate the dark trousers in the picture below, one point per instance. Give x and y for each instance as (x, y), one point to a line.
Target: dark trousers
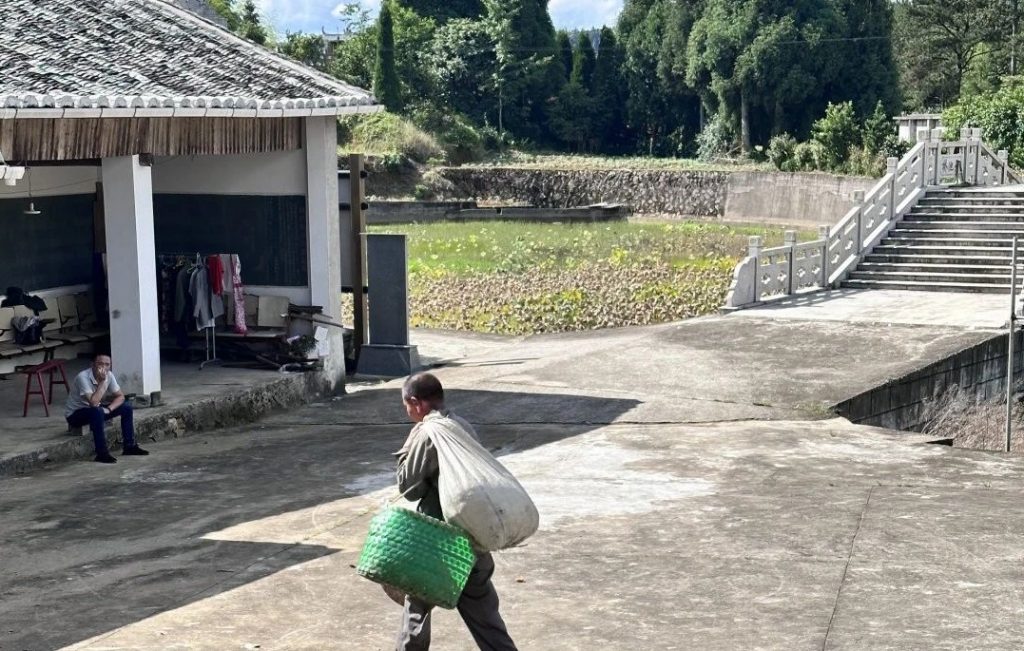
(478, 606)
(95, 418)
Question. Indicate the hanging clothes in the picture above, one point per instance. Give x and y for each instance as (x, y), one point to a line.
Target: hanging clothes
(216, 272)
(206, 307)
(228, 281)
(239, 295)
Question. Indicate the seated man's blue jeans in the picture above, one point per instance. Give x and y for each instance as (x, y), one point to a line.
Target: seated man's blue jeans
(95, 418)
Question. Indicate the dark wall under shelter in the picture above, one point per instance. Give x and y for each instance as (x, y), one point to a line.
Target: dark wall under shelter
(268, 233)
(51, 249)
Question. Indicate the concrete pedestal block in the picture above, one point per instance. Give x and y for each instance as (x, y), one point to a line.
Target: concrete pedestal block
(388, 361)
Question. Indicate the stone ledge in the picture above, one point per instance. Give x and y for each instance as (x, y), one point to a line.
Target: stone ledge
(177, 421)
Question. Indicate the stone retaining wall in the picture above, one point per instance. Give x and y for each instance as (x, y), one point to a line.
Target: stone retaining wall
(645, 191)
(903, 403)
(803, 200)
(245, 406)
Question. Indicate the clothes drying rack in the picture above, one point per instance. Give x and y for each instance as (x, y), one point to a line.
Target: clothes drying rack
(210, 332)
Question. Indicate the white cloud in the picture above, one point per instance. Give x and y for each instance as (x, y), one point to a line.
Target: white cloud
(585, 13)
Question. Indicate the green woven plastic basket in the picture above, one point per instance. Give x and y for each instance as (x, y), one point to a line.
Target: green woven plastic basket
(418, 555)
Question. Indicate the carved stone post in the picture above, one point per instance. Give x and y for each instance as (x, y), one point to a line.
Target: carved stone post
(789, 241)
(935, 156)
(823, 235)
(1004, 162)
(858, 198)
(891, 164)
(966, 154)
(754, 251)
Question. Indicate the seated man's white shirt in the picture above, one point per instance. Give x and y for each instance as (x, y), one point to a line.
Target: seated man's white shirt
(86, 385)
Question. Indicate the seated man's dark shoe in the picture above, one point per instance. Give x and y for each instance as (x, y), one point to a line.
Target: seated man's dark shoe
(105, 458)
(135, 451)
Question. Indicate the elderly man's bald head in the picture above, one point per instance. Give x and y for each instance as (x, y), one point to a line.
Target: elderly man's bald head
(424, 387)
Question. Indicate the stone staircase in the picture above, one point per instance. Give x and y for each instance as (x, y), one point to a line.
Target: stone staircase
(952, 240)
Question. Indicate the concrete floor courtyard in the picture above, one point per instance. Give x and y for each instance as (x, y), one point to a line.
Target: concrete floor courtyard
(693, 495)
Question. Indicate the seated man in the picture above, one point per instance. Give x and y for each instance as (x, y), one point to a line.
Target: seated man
(96, 398)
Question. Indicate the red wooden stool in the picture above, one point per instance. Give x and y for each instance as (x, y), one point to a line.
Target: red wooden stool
(52, 367)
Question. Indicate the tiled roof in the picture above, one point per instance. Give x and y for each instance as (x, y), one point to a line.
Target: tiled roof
(67, 58)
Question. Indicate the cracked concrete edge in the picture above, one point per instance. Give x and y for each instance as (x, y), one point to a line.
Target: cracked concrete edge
(245, 406)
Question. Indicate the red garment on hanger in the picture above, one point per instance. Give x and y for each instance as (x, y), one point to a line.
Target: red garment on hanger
(216, 271)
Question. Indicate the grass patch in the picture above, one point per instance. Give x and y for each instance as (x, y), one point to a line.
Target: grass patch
(519, 278)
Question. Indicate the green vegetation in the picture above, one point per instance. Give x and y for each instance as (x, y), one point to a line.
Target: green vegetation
(840, 142)
(386, 85)
(518, 278)
(718, 78)
(999, 114)
(389, 136)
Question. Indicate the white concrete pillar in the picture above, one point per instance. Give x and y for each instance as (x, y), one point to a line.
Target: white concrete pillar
(131, 274)
(323, 231)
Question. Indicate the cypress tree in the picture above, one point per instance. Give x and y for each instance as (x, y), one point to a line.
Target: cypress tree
(565, 54)
(584, 61)
(609, 95)
(444, 10)
(386, 85)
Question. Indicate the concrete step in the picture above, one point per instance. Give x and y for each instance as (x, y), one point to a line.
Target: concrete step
(936, 268)
(952, 204)
(952, 259)
(932, 277)
(916, 249)
(954, 241)
(904, 231)
(940, 226)
(971, 200)
(979, 288)
(974, 195)
(967, 218)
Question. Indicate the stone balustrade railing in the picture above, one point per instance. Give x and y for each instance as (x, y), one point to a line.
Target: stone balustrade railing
(794, 268)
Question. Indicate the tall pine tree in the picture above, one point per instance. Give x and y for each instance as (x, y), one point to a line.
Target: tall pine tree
(583, 62)
(386, 85)
(444, 10)
(251, 26)
(869, 73)
(608, 94)
(524, 78)
(565, 54)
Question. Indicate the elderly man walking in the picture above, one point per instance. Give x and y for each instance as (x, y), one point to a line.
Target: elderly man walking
(95, 398)
(418, 474)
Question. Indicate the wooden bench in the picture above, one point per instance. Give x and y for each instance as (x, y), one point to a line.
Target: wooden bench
(10, 349)
(266, 319)
(69, 321)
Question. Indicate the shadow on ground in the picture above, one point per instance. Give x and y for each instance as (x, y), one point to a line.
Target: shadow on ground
(90, 548)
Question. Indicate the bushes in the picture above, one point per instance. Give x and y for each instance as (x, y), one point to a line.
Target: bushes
(840, 143)
(430, 135)
(715, 140)
(781, 151)
(461, 140)
(387, 133)
(1000, 116)
(837, 132)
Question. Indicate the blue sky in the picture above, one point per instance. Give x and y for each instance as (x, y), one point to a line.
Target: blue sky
(311, 15)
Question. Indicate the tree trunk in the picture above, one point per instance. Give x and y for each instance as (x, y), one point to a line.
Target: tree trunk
(744, 123)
